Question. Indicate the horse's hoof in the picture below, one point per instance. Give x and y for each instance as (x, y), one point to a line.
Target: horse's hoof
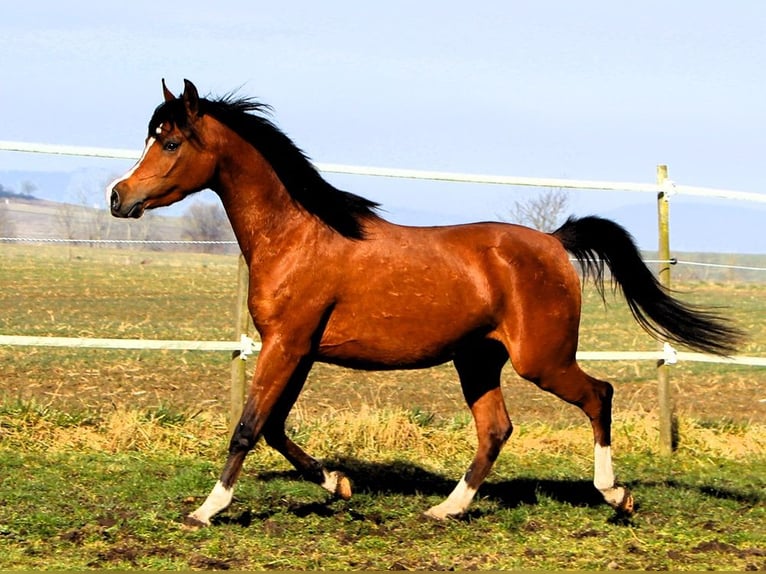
(620, 498)
(343, 488)
(627, 504)
(191, 522)
(441, 514)
(337, 484)
(432, 515)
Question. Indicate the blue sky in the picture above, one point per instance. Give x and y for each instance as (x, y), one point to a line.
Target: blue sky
(584, 90)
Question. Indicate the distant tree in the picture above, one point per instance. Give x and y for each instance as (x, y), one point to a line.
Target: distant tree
(207, 222)
(544, 211)
(28, 188)
(69, 223)
(27, 191)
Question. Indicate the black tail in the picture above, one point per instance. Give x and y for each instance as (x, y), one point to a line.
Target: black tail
(593, 240)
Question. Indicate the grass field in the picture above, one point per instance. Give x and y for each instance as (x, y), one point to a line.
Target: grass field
(111, 492)
(104, 451)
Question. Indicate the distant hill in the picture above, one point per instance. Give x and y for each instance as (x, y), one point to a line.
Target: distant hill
(62, 186)
(15, 196)
(72, 205)
(35, 218)
(81, 186)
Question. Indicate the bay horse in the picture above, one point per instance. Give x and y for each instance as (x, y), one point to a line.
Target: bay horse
(332, 281)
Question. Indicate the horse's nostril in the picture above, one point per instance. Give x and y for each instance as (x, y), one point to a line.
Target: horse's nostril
(115, 200)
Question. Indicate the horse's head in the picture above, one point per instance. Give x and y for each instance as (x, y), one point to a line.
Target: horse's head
(174, 162)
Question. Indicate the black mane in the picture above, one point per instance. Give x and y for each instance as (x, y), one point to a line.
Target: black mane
(342, 211)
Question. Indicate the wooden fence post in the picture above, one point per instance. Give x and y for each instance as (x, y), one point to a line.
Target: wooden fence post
(667, 438)
(242, 327)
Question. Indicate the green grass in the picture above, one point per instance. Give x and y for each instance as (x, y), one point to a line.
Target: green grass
(108, 293)
(82, 508)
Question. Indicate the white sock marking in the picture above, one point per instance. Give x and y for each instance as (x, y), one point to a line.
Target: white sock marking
(603, 475)
(218, 499)
(330, 482)
(456, 503)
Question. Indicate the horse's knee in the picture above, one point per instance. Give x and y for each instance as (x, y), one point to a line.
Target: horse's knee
(574, 386)
(244, 437)
(597, 404)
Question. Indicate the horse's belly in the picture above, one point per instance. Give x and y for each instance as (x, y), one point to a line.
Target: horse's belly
(388, 340)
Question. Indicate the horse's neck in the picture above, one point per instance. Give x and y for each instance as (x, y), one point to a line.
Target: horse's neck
(263, 216)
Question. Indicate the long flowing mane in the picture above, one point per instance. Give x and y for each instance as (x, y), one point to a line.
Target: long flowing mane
(342, 211)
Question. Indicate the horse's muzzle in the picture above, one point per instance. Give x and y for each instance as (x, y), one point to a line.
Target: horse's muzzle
(133, 210)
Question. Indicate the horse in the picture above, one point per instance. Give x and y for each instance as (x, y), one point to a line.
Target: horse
(330, 280)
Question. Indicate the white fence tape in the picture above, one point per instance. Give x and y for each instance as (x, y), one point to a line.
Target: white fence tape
(668, 186)
(56, 149)
(246, 346)
(116, 241)
(680, 356)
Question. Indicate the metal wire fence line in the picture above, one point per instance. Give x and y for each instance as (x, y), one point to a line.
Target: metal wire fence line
(672, 261)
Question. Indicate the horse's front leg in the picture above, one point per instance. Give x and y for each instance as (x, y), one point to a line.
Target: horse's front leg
(335, 482)
(276, 370)
(311, 469)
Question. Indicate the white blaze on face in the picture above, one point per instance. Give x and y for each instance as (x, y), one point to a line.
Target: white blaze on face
(131, 171)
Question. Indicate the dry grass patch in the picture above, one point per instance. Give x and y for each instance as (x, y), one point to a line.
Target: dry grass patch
(368, 433)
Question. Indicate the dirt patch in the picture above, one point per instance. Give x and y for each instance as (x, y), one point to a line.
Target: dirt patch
(189, 382)
(725, 548)
(206, 563)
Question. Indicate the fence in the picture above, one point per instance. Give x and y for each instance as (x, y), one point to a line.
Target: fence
(664, 189)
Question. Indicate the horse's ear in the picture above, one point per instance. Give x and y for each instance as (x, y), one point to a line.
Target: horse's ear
(167, 93)
(191, 99)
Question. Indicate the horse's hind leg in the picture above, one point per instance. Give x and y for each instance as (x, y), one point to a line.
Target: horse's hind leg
(479, 368)
(594, 397)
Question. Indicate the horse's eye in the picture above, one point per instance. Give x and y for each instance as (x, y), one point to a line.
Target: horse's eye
(170, 146)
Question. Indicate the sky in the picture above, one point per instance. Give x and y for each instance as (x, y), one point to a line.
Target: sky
(590, 89)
